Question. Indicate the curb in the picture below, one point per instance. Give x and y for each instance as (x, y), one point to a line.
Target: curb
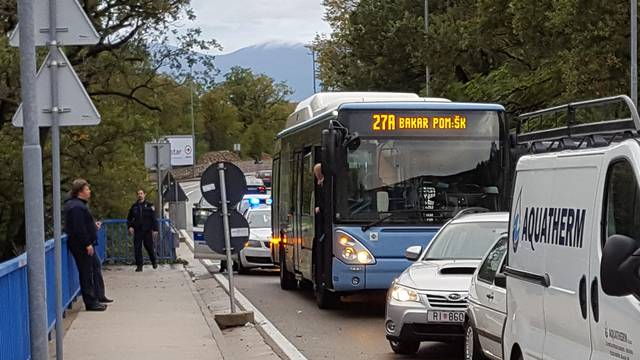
(274, 338)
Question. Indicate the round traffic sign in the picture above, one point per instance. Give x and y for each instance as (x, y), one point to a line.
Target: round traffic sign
(234, 179)
(238, 232)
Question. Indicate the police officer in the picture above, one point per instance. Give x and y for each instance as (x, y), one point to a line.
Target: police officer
(82, 232)
(143, 226)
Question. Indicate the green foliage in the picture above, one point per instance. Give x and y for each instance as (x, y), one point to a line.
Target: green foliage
(521, 53)
(137, 103)
(246, 107)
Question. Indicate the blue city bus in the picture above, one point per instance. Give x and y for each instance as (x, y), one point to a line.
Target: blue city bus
(396, 167)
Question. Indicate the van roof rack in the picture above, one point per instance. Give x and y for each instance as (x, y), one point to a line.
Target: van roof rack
(470, 210)
(573, 135)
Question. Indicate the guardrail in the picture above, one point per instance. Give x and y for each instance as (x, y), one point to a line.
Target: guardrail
(114, 245)
(119, 244)
(14, 300)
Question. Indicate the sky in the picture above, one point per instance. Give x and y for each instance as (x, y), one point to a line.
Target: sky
(240, 23)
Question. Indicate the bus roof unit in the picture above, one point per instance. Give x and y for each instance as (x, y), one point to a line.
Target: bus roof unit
(322, 103)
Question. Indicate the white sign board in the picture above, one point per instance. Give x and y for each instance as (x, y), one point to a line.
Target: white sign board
(76, 107)
(182, 153)
(74, 27)
(157, 155)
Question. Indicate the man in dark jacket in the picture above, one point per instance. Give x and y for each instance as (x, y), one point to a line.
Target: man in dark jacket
(82, 236)
(142, 225)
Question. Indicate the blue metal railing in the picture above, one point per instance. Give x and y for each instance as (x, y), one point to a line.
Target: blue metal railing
(14, 301)
(119, 244)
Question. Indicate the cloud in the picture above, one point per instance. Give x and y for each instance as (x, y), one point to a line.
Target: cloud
(240, 23)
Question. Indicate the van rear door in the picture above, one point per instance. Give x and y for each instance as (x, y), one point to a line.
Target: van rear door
(615, 320)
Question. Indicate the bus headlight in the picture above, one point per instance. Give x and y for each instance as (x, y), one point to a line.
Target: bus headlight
(351, 251)
(404, 294)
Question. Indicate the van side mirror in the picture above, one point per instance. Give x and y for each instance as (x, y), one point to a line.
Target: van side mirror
(620, 266)
(500, 280)
(413, 253)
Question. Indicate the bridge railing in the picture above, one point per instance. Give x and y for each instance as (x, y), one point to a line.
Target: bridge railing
(119, 244)
(14, 300)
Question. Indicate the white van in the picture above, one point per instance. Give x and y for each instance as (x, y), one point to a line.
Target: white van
(573, 273)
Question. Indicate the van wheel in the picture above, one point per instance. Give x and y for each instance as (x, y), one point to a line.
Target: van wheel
(472, 350)
(287, 279)
(404, 347)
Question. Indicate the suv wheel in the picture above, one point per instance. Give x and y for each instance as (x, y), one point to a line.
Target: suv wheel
(472, 350)
(404, 347)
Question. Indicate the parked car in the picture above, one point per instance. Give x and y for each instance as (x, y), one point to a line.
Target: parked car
(256, 253)
(487, 308)
(428, 301)
(255, 185)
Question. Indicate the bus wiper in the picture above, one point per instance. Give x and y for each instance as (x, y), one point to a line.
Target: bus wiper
(364, 228)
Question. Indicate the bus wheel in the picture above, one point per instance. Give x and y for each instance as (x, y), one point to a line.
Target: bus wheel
(287, 279)
(325, 298)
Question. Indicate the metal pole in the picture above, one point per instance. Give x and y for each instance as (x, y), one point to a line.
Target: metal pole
(161, 224)
(193, 131)
(227, 238)
(426, 32)
(33, 193)
(634, 51)
(313, 60)
(55, 171)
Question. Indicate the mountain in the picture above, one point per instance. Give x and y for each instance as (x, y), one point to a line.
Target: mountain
(288, 62)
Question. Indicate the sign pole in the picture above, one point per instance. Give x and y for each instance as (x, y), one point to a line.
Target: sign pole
(160, 209)
(33, 194)
(227, 238)
(55, 171)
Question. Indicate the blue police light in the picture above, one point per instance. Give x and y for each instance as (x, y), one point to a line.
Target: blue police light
(254, 201)
(269, 201)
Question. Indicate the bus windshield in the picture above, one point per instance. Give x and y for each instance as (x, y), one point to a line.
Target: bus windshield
(420, 180)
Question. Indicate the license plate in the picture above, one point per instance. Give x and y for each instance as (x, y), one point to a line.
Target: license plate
(446, 316)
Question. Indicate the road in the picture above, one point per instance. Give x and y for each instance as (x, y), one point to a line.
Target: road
(354, 331)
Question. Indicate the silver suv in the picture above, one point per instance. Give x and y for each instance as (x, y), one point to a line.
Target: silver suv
(428, 301)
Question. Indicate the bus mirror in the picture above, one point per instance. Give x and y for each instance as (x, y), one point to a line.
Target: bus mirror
(382, 201)
(353, 142)
(620, 266)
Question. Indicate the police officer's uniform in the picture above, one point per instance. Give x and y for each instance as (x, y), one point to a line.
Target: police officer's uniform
(142, 219)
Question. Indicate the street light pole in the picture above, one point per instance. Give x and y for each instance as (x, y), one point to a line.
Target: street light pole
(426, 32)
(193, 126)
(634, 51)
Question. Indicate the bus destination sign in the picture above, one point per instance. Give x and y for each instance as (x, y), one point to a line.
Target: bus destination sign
(387, 122)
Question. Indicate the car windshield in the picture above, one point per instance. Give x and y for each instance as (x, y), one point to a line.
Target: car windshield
(259, 219)
(464, 240)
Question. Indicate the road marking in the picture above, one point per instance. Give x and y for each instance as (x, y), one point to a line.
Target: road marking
(276, 336)
(286, 347)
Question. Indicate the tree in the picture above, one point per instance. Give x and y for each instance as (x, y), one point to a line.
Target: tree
(123, 75)
(520, 53)
(253, 106)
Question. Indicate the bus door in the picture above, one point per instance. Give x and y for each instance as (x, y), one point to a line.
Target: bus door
(297, 218)
(307, 215)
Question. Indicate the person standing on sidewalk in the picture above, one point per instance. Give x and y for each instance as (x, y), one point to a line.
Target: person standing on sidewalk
(82, 234)
(143, 226)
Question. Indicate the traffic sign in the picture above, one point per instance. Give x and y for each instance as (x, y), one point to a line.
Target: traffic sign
(157, 155)
(73, 25)
(214, 232)
(75, 107)
(172, 190)
(235, 181)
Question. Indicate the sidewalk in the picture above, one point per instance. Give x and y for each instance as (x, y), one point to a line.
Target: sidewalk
(154, 316)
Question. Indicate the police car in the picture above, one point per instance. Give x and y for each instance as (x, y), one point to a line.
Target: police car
(573, 272)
